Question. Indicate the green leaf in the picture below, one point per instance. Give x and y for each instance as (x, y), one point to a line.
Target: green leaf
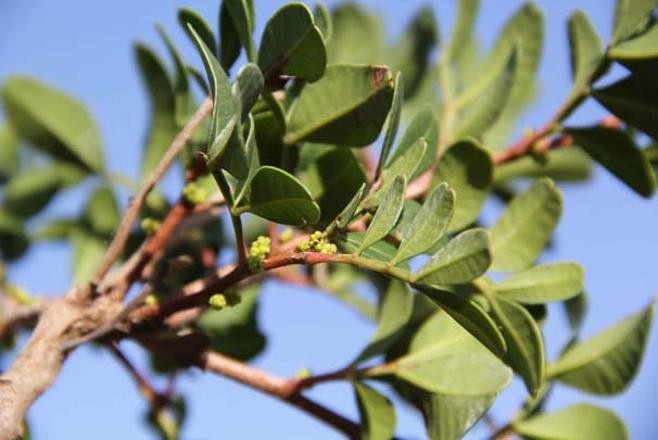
(322, 19)
(644, 45)
(490, 103)
(631, 100)
(393, 121)
(586, 52)
(189, 18)
(423, 125)
(411, 53)
(616, 151)
(630, 16)
(278, 196)
(377, 413)
(470, 315)
(563, 164)
(468, 169)
(88, 251)
(606, 363)
(442, 349)
(247, 88)
(347, 106)
(576, 422)
(332, 178)
(466, 14)
(234, 331)
(292, 45)
(575, 309)
(181, 83)
(403, 165)
(451, 416)
(229, 39)
(540, 284)
(162, 126)
(525, 227)
(101, 213)
(352, 24)
(464, 258)
(241, 13)
(429, 225)
(13, 241)
(387, 214)
(347, 213)
(31, 190)
(394, 313)
(224, 112)
(53, 121)
(380, 251)
(525, 349)
(9, 154)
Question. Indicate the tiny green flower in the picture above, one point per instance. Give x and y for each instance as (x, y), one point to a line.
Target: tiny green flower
(218, 301)
(151, 300)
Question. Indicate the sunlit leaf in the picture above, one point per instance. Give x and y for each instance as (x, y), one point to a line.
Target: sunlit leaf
(292, 45)
(540, 284)
(464, 258)
(347, 106)
(607, 362)
(387, 214)
(52, 121)
(525, 227)
(582, 421)
(377, 413)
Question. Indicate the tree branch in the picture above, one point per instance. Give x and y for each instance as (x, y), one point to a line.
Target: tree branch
(275, 386)
(131, 214)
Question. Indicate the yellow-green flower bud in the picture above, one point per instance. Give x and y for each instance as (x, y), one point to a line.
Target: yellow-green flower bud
(303, 373)
(286, 235)
(218, 301)
(151, 300)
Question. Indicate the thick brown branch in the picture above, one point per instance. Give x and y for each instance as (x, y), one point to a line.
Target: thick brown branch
(277, 387)
(123, 232)
(14, 316)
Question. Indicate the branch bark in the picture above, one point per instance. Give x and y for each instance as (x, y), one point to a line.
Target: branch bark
(284, 389)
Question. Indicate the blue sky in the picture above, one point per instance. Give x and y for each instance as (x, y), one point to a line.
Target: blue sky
(85, 47)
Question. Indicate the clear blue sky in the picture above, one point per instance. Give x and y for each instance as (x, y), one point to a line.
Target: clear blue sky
(85, 47)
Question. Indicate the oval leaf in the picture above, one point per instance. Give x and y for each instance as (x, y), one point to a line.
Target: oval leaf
(428, 225)
(347, 106)
(423, 125)
(442, 349)
(387, 214)
(607, 362)
(526, 226)
(464, 258)
(617, 152)
(292, 45)
(393, 121)
(278, 196)
(223, 118)
(377, 413)
(53, 121)
(468, 169)
(586, 51)
(540, 284)
(525, 349)
(582, 421)
(394, 313)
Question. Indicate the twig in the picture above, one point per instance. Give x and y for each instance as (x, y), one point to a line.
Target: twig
(14, 316)
(275, 386)
(131, 214)
(154, 398)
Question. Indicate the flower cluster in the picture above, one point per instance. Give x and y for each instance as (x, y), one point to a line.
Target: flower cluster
(258, 251)
(318, 242)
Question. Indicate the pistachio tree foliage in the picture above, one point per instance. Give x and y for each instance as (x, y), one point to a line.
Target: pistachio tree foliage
(276, 148)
